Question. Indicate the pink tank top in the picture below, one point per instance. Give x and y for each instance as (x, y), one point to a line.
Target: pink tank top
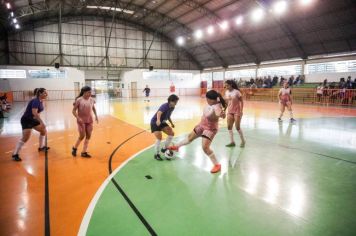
(285, 94)
(211, 122)
(85, 108)
(233, 98)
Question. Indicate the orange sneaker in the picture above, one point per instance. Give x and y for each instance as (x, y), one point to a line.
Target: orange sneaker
(173, 148)
(216, 168)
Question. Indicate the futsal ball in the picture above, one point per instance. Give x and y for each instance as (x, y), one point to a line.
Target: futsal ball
(168, 154)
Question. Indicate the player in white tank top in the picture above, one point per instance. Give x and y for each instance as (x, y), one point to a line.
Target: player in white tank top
(285, 100)
(234, 111)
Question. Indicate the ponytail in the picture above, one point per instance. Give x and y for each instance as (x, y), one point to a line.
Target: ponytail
(222, 101)
(35, 92)
(213, 95)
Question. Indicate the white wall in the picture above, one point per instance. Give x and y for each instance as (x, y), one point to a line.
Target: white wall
(160, 86)
(73, 75)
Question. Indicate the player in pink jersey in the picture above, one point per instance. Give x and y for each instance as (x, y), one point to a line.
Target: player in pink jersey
(234, 111)
(82, 110)
(285, 100)
(208, 127)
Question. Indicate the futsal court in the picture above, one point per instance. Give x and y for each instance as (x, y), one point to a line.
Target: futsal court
(295, 179)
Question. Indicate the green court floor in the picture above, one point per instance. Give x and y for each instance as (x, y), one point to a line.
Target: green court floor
(289, 180)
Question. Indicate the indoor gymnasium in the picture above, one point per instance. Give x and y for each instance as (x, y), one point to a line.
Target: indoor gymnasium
(178, 118)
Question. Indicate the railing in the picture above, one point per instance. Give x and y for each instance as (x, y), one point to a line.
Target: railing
(344, 97)
(21, 96)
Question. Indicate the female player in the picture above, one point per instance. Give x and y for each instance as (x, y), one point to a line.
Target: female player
(208, 126)
(82, 110)
(159, 125)
(234, 111)
(31, 120)
(285, 100)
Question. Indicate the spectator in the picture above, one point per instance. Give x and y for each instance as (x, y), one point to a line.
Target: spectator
(291, 80)
(354, 84)
(274, 80)
(282, 81)
(348, 84)
(302, 79)
(325, 83)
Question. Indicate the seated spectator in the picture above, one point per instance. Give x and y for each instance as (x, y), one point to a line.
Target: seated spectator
(291, 80)
(282, 81)
(354, 84)
(302, 79)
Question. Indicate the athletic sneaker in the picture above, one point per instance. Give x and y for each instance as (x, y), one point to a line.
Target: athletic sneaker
(173, 148)
(230, 145)
(242, 145)
(163, 150)
(292, 120)
(280, 120)
(16, 157)
(43, 149)
(85, 154)
(216, 168)
(158, 157)
(74, 152)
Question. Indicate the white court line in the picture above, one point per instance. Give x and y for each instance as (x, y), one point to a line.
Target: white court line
(8, 152)
(89, 212)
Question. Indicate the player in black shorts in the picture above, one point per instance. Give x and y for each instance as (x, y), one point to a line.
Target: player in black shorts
(159, 124)
(147, 91)
(31, 120)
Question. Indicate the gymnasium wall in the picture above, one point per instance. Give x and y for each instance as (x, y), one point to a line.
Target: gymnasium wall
(161, 85)
(25, 84)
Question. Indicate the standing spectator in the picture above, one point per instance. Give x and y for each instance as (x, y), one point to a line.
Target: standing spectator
(325, 83)
(274, 80)
(349, 83)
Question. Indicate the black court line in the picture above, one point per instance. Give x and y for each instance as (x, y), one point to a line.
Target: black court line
(47, 219)
(124, 195)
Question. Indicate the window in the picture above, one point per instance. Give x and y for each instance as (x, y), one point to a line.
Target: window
(13, 74)
(331, 67)
(44, 74)
(206, 76)
(235, 74)
(162, 74)
(280, 70)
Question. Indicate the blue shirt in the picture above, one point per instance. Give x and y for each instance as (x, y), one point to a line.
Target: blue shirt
(166, 113)
(34, 103)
